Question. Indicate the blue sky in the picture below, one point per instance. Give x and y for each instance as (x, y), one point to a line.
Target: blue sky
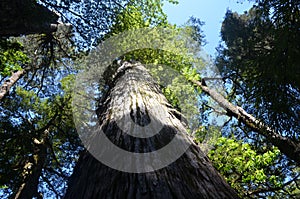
(212, 12)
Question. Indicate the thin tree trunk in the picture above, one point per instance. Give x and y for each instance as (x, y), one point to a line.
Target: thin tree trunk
(191, 176)
(33, 170)
(287, 146)
(4, 89)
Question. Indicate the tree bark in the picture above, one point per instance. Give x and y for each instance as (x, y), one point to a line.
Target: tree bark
(192, 175)
(286, 145)
(33, 170)
(4, 89)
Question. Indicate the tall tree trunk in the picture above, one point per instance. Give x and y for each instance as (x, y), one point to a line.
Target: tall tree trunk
(286, 145)
(33, 170)
(192, 175)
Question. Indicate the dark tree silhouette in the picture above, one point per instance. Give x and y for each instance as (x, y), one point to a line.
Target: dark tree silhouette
(25, 17)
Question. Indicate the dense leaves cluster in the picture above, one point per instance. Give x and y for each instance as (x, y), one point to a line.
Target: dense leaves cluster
(245, 169)
(261, 59)
(12, 57)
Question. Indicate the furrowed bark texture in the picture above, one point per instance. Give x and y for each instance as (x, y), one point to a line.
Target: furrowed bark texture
(191, 176)
(286, 145)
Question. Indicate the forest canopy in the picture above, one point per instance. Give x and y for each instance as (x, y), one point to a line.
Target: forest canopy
(246, 119)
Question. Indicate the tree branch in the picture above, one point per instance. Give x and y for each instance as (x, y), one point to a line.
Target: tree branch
(286, 145)
(4, 89)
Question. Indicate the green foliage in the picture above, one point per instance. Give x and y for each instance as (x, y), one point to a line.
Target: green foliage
(182, 96)
(261, 60)
(12, 58)
(25, 118)
(152, 10)
(174, 63)
(42, 98)
(39, 101)
(245, 169)
(191, 74)
(92, 20)
(130, 18)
